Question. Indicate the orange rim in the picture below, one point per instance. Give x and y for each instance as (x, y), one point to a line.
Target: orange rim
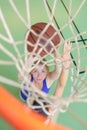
(20, 116)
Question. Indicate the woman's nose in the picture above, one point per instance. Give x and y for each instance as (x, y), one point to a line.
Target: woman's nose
(39, 74)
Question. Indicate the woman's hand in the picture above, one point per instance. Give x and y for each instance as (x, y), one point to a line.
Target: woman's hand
(66, 55)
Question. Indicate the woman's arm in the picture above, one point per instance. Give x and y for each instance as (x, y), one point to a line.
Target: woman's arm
(65, 70)
(26, 68)
(61, 83)
(58, 67)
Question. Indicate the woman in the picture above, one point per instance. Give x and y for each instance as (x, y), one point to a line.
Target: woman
(41, 78)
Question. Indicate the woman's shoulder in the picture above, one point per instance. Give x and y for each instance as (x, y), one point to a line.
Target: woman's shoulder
(49, 81)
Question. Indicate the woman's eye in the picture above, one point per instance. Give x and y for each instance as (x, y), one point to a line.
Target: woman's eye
(43, 71)
(35, 71)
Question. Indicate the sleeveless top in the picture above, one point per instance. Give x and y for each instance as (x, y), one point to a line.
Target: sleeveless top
(24, 92)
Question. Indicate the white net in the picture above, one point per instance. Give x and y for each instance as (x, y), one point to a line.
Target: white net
(13, 52)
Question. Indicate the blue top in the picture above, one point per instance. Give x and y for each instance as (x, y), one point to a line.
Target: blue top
(24, 93)
(44, 87)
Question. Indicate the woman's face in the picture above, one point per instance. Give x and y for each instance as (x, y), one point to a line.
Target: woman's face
(39, 73)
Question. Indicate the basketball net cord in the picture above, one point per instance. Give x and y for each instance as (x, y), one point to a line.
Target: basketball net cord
(78, 83)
